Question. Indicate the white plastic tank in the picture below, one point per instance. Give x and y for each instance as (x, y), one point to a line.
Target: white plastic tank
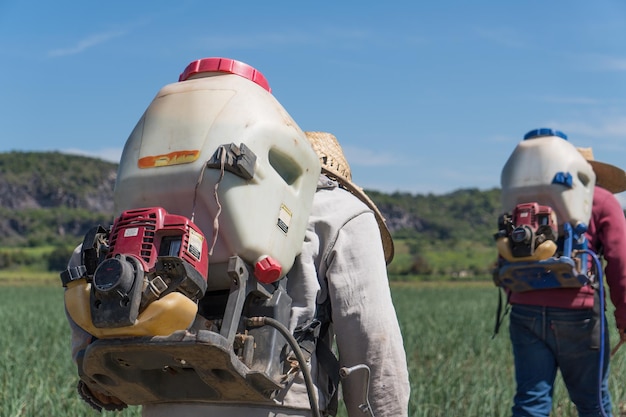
(547, 169)
(259, 208)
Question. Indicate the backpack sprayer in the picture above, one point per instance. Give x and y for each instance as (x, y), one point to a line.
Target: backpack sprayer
(184, 294)
(547, 192)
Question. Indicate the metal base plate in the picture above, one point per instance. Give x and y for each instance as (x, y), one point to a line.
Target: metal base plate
(183, 366)
(550, 273)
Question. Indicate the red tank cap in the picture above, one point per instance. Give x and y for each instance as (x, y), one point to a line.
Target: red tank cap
(226, 65)
(267, 270)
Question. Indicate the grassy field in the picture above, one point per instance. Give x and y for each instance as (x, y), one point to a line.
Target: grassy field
(456, 368)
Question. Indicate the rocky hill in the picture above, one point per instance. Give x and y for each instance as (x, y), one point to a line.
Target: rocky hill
(68, 190)
(49, 197)
(37, 180)
(53, 199)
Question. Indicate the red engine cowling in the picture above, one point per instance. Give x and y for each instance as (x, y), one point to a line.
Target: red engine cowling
(533, 225)
(148, 233)
(151, 254)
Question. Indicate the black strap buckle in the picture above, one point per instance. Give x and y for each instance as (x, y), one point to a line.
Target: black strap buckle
(72, 274)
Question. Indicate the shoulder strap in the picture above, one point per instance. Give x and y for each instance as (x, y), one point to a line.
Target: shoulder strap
(500, 315)
(325, 355)
(310, 337)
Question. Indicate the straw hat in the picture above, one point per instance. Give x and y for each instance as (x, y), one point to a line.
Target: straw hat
(335, 165)
(608, 176)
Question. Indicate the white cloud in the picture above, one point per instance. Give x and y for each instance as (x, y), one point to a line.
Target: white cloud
(603, 62)
(366, 157)
(570, 100)
(87, 43)
(612, 64)
(614, 128)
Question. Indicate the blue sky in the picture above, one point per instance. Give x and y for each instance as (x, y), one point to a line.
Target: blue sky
(425, 96)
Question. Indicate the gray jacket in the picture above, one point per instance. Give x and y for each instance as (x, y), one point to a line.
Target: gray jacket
(342, 262)
(342, 259)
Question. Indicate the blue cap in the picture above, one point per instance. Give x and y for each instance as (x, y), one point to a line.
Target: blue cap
(537, 133)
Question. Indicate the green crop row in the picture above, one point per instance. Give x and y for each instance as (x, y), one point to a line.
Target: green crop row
(456, 368)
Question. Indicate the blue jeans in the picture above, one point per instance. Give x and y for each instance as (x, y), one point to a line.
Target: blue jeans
(545, 339)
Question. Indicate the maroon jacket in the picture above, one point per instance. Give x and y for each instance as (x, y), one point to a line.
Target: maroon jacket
(606, 235)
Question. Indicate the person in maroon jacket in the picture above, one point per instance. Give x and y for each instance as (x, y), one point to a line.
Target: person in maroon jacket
(554, 329)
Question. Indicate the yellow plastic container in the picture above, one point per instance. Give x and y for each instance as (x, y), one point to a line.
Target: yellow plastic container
(160, 318)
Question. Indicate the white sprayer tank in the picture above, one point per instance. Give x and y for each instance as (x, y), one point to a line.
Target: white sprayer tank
(547, 169)
(259, 204)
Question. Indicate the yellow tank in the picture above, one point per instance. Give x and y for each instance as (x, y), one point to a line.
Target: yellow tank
(544, 251)
(160, 318)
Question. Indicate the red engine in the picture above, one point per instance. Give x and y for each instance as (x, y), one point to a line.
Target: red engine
(529, 226)
(148, 233)
(151, 253)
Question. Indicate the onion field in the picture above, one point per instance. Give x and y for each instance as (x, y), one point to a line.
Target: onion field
(456, 367)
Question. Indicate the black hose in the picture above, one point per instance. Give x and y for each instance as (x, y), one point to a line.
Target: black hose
(262, 321)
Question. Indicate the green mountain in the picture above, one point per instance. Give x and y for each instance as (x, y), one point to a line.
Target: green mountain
(49, 199)
(52, 198)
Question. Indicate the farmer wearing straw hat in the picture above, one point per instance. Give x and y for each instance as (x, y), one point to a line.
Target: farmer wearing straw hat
(559, 328)
(340, 295)
(343, 268)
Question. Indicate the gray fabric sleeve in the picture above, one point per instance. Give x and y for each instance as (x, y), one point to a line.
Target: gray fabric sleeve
(364, 320)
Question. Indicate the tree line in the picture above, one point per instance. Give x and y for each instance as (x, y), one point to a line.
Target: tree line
(50, 199)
